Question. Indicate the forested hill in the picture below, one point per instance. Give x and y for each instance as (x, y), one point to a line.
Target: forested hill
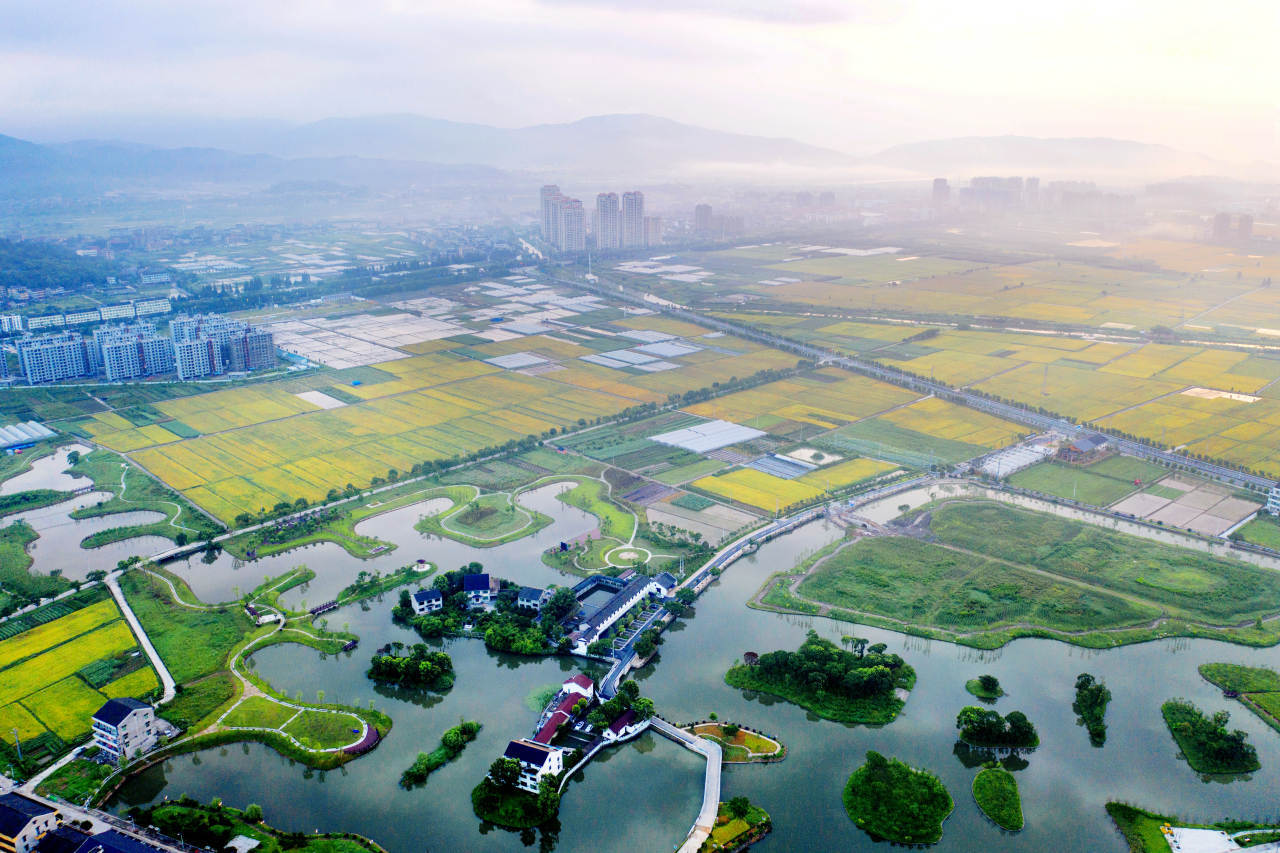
(33, 264)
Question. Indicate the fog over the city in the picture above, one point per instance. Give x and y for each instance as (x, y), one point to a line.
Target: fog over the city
(851, 76)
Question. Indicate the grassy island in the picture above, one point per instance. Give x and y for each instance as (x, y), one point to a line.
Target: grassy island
(1205, 741)
(451, 745)
(890, 800)
(832, 683)
(498, 800)
(1257, 688)
(996, 793)
(739, 745)
(984, 687)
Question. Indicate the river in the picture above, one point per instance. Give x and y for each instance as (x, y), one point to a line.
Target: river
(643, 796)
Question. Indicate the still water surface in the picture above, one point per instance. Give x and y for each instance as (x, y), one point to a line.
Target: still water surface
(643, 796)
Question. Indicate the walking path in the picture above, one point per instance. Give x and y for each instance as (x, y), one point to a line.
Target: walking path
(166, 680)
(710, 750)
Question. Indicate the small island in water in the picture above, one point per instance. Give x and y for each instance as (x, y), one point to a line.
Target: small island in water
(896, 802)
(840, 685)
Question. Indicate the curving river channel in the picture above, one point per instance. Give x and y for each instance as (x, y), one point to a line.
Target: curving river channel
(643, 796)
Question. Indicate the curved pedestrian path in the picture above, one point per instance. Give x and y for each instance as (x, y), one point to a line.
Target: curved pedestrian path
(710, 750)
(166, 679)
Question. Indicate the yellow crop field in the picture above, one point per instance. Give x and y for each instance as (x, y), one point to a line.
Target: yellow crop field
(1148, 360)
(140, 682)
(56, 664)
(58, 631)
(845, 473)
(828, 398)
(758, 489)
(14, 716)
(65, 706)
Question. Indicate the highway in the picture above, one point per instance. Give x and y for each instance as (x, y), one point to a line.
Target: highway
(1008, 411)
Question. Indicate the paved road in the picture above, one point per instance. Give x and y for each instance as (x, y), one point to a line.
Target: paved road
(710, 750)
(112, 581)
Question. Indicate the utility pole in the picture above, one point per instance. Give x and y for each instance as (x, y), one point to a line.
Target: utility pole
(17, 742)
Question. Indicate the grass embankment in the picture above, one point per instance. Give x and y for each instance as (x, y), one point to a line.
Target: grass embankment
(1205, 741)
(1263, 530)
(1258, 688)
(996, 793)
(338, 525)
(482, 520)
(201, 647)
(997, 573)
(890, 800)
(30, 499)
(1142, 829)
(18, 587)
(76, 781)
(212, 826)
(133, 491)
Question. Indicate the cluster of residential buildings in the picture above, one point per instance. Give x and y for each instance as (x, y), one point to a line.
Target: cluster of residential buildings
(197, 346)
(615, 224)
(537, 756)
(16, 323)
(628, 591)
(31, 825)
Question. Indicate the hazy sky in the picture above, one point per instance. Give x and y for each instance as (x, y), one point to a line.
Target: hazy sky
(854, 75)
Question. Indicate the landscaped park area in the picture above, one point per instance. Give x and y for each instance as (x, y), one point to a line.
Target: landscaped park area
(981, 572)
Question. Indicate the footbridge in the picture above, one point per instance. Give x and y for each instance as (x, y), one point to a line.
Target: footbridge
(710, 750)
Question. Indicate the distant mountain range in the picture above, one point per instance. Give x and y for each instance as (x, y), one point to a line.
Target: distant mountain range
(407, 149)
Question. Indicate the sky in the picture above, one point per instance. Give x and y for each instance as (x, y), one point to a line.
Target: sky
(854, 75)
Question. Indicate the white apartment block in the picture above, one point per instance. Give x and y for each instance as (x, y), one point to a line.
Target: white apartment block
(125, 727)
(49, 358)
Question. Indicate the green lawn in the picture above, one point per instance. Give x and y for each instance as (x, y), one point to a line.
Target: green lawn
(17, 585)
(885, 440)
(996, 793)
(75, 781)
(1244, 679)
(1128, 468)
(139, 492)
(692, 471)
(259, 712)
(591, 496)
(192, 642)
(31, 499)
(927, 584)
(1210, 588)
(197, 702)
(1263, 530)
(1067, 481)
(325, 730)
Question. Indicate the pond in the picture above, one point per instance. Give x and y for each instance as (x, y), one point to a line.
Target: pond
(645, 795)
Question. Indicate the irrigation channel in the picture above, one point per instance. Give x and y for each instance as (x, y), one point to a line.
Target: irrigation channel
(643, 795)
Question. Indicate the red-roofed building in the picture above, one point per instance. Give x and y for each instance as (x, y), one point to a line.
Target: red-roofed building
(624, 727)
(580, 684)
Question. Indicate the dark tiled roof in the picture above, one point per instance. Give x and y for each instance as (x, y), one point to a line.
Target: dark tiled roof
(618, 603)
(62, 839)
(424, 595)
(16, 811)
(475, 583)
(114, 712)
(112, 841)
(666, 580)
(530, 593)
(528, 752)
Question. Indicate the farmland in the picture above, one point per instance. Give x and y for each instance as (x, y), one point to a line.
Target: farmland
(54, 675)
(262, 446)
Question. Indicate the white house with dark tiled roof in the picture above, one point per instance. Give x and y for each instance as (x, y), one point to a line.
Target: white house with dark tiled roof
(536, 761)
(426, 601)
(124, 726)
(24, 821)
